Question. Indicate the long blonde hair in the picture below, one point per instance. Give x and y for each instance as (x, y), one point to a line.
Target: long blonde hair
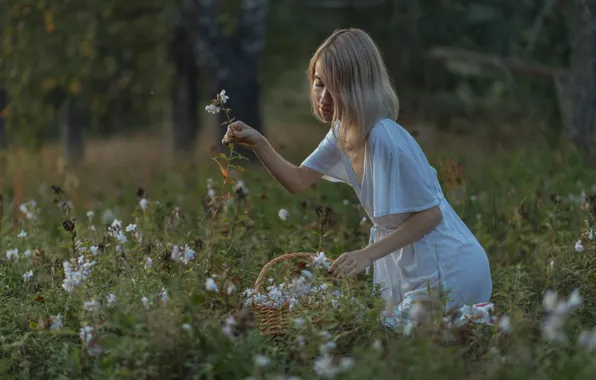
(359, 82)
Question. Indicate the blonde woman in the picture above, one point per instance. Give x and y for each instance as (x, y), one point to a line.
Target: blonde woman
(417, 240)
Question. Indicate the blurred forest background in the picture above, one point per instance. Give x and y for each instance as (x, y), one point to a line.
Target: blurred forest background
(108, 83)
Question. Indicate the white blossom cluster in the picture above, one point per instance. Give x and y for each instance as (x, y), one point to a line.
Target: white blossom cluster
(325, 366)
(409, 314)
(184, 256)
(76, 272)
(557, 310)
(300, 290)
(29, 209)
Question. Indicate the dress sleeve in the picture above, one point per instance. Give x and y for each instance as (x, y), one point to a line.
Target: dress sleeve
(403, 180)
(327, 159)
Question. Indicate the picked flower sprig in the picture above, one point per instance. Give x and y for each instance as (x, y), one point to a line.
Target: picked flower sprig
(219, 105)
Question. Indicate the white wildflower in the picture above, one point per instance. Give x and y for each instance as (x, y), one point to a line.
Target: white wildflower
(75, 273)
(549, 302)
(324, 367)
(187, 326)
(592, 234)
(575, 300)
(223, 97)
(553, 329)
(189, 254)
(144, 203)
(22, 234)
(212, 194)
(164, 295)
(377, 345)
(148, 262)
(211, 108)
(320, 260)
(211, 286)
(306, 273)
(117, 224)
(240, 186)
(145, 301)
(90, 215)
(327, 347)
(283, 214)
(346, 364)
(231, 289)
(56, 322)
(111, 299)
(121, 237)
(93, 250)
(86, 334)
(261, 360)
(131, 228)
(228, 328)
(92, 305)
(587, 339)
(28, 209)
(12, 254)
(27, 276)
(299, 323)
(175, 255)
(578, 246)
(363, 221)
(505, 324)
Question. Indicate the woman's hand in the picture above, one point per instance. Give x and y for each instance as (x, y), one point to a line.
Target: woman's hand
(350, 263)
(242, 135)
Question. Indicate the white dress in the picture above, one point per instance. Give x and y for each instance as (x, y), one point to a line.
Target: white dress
(398, 180)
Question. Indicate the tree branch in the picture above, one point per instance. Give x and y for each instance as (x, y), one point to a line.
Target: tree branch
(511, 63)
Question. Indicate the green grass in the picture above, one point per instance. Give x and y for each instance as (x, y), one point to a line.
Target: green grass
(518, 206)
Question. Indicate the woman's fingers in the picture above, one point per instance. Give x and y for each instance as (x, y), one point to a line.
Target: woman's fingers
(236, 126)
(344, 267)
(336, 263)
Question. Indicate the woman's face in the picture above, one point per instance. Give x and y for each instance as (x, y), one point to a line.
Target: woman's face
(322, 96)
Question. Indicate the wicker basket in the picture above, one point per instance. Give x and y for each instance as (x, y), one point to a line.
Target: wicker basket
(275, 321)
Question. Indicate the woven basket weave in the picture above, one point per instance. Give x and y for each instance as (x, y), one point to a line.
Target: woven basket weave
(275, 321)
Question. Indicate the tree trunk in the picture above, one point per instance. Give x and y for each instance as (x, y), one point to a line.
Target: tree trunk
(244, 89)
(184, 94)
(580, 85)
(3, 104)
(233, 60)
(73, 125)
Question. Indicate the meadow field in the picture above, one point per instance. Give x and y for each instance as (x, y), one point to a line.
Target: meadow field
(135, 266)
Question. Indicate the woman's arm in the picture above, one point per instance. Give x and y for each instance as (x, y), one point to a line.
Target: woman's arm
(414, 228)
(293, 178)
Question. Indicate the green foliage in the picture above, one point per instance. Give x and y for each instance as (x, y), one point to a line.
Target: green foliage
(114, 56)
(526, 209)
(107, 54)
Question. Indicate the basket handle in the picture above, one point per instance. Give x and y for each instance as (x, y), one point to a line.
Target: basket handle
(287, 256)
